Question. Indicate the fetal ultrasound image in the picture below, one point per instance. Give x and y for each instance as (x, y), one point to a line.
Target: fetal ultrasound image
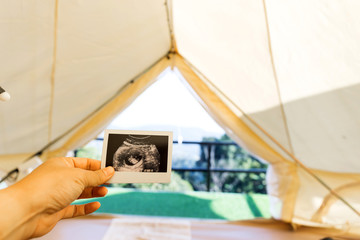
(138, 153)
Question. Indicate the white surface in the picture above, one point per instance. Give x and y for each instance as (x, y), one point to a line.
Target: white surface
(95, 227)
(148, 229)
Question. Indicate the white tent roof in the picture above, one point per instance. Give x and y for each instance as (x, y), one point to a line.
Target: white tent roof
(312, 70)
(59, 72)
(291, 67)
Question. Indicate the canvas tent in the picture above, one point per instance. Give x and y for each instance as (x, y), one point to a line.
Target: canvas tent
(281, 77)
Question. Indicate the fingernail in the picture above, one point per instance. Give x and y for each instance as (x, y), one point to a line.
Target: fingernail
(108, 170)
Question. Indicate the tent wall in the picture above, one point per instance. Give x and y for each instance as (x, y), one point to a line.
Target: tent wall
(316, 53)
(317, 206)
(292, 68)
(64, 59)
(282, 171)
(232, 51)
(295, 196)
(95, 125)
(26, 56)
(98, 48)
(9, 162)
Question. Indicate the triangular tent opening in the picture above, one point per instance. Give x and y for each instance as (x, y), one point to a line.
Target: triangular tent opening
(168, 106)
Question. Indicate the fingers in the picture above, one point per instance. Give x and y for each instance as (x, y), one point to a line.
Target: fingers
(83, 163)
(95, 178)
(80, 210)
(91, 192)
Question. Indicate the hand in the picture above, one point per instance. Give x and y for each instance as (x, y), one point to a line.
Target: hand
(44, 197)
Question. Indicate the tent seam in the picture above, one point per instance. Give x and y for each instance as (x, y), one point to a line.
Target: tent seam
(277, 80)
(53, 69)
(169, 15)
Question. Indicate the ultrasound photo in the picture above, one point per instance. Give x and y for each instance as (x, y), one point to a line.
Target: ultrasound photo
(137, 153)
(138, 156)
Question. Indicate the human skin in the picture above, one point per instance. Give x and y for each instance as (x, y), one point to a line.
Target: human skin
(33, 206)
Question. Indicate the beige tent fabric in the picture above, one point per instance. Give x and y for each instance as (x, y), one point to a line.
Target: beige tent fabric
(9, 162)
(316, 206)
(315, 58)
(283, 174)
(231, 50)
(103, 117)
(259, 56)
(316, 55)
(288, 202)
(26, 45)
(99, 48)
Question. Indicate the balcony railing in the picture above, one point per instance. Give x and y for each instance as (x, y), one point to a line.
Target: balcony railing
(209, 169)
(210, 146)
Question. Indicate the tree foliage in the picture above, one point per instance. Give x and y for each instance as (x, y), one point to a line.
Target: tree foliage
(228, 157)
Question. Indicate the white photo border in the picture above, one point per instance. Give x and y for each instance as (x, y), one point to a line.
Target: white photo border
(139, 177)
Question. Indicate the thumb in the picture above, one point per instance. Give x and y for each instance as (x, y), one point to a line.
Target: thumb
(95, 178)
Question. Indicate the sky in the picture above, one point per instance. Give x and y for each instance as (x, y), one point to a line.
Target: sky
(166, 102)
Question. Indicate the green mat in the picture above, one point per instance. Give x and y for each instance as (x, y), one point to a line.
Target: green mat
(211, 205)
